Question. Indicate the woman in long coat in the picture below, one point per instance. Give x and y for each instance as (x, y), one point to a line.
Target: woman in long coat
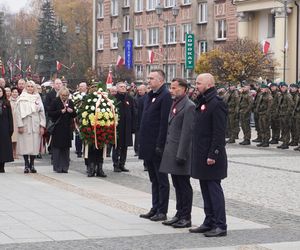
(61, 113)
(6, 130)
(31, 121)
(13, 103)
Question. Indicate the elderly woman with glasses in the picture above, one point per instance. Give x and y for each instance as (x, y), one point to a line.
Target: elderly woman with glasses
(31, 121)
(61, 113)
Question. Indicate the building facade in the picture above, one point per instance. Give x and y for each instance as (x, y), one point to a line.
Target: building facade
(212, 22)
(277, 22)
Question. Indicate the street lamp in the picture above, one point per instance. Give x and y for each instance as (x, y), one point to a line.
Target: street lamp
(175, 12)
(23, 43)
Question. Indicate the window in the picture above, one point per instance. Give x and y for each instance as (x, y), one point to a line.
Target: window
(138, 6)
(202, 47)
(151, 4)
(100, 42)
(100, 11)
(138, 37)
(202, 13)
(114, 40)
(126, 3)
(185, 29)
(186, 73)
(271, 25)
(170, 70)
(138, 71)
(126, 23)
(169, 3)
(186, 2)
(221, 29)
(151, 67)
(170, 34)
(152, 36)
(114, 7)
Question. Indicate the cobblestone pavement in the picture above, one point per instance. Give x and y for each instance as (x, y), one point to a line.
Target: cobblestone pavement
(263, 187)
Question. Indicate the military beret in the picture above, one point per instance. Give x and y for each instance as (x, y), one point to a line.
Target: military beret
(244, 83)
(273, 84)
(263, 86)
(220, 86)
(294, 85)
(281, 84)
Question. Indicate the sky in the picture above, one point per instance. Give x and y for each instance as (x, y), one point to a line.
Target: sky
(14, 5)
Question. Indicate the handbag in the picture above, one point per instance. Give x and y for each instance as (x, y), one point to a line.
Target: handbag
(51, 126)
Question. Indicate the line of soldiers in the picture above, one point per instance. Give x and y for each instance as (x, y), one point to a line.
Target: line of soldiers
(276, 110)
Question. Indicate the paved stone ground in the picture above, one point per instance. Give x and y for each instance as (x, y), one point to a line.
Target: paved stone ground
(52, 211)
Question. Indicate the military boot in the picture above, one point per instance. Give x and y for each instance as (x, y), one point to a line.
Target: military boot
(274, 141)
(265, 144)
(100, 172)
(245, 142)
(91, 169)
(257, 140)
(293, 143)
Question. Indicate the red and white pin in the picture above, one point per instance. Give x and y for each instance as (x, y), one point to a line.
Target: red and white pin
(127, 102)
(203, 107)
(153, 99)
(174, 111)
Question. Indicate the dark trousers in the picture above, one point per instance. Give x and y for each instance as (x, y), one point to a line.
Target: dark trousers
(136, 142)
(95, 155)
(61, 159)
(184, 196)
(78, 144)
(214, 204)
(160, 186)
(119, 155)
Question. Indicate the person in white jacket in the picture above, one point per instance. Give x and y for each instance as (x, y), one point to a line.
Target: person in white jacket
(31, 122)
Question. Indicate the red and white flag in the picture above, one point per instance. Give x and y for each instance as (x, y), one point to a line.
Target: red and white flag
(19, 65)
(10, 64)
(109, 79)
(120, 61)
(266, 46)
(58, 65)
(28, 69)
(3, 71)
(151, 56)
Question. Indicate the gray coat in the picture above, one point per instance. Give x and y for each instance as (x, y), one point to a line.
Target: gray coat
(178, 142)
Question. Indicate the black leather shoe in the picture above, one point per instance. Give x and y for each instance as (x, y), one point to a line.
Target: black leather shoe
(283, 146)
(182, 223)
(148, 215)
(257, 140)
(123, 169)
(245, 142)
(158, 217)
(201, 229)
(170, 222)
(274, 141)
(265, 145)
(117, 170)
(216, 232)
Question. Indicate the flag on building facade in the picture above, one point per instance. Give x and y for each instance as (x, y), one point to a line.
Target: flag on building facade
(151, 56)
(120, 61)
(109, 80)
(266, 46)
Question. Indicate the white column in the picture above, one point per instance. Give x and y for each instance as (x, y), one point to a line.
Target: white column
(243, 24)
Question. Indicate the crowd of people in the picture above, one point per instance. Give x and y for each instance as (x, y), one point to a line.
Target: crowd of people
(179, 130)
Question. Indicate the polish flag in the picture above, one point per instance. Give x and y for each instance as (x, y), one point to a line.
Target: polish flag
(151, 56)
(109, 79)
(28, 69)
(3, 71)
(120, 61)
(58, 65)
(266, 46)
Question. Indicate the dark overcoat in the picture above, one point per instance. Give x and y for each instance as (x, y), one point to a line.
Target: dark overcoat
(208, 138)
(63, 133)
(6, 131)
(126, 124)
(154, 123)
(50, 97)
(178, 142)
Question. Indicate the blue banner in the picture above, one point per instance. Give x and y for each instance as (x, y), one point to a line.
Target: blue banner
(129, 53)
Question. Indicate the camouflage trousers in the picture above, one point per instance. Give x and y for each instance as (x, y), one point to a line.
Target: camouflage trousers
(245, 125)
(233, 128)
(257, 128)
(275, 126)
(294, 130)
(264, 125)
(285, 126)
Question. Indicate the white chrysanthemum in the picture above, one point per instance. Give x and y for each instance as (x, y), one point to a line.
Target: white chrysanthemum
(93, 108)
(95, 100)
(89, 100)
(108, 109)
(95, 93)
(86, 107)
(104, 104)
(103, 110)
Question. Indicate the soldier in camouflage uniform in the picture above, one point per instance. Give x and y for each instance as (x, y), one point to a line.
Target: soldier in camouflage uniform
(256, 116)
(275, 123)
(285, 109)
(263, 108)
(296, 116)
(245, 107)
(221, 90)
(294, 134)
(232, 100)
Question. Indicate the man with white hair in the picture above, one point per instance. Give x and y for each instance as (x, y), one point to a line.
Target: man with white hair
(209, 159)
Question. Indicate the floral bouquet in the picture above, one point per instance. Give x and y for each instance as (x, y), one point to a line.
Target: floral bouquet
(98, 119)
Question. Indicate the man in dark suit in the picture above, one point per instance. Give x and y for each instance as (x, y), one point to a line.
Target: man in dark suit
(125, 128)
(176, 158)
(153, 131)
(209, 159)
